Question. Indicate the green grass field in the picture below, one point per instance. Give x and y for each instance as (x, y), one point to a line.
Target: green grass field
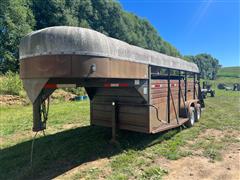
(70, 142)
(229, 72)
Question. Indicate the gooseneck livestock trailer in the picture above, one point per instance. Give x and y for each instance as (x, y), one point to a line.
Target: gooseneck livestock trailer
(129, 87)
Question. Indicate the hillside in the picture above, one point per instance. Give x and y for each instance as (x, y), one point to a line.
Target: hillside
(20, 17)
(105, 16)
(229, 72)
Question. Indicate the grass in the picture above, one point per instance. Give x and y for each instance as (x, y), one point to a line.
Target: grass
(153, 173)
(19, 118)
(229, 72)
(224, 80)
(70, 142)
(88, 175)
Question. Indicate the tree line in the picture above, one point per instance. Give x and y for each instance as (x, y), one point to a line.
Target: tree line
(19, 17)
(208, 65)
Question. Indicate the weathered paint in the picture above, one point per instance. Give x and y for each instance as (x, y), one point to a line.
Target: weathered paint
(111, 71)
(65, 40)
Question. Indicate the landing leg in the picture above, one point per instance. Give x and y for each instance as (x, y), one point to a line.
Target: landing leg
(38, 124)
(114, 122)
(40, 110)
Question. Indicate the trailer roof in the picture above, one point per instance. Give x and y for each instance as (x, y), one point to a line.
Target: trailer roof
(82, 41)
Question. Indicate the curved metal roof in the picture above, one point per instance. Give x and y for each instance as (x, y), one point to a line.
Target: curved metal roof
(82, 41)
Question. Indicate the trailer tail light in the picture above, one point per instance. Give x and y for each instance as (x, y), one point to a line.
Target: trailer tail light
(160, 85)
(55, 86)
(116, 85)
(156, 85)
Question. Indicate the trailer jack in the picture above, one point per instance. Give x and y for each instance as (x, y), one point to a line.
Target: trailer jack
(40, 114)
(41, 109)
(114, 122)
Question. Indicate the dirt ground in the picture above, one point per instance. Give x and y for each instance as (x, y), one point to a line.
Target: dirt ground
(199, 167)
(17, 100)
(93, 164)
(187, 168)
(195, 166)
(12, 100)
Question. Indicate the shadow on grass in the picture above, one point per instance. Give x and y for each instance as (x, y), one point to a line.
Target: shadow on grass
(69, 149)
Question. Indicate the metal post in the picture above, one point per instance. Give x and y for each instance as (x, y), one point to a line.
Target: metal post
(149, 83)
(199, 86)
(194, 87)
(114, 121)
(168, 96)
(199, 92)
(185, 80)
(179, 93)
(149, 93)
(174, 108)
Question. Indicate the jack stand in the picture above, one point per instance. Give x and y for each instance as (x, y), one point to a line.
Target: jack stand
(114, 123)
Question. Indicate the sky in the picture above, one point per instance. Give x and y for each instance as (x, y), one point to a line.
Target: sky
(195, 26)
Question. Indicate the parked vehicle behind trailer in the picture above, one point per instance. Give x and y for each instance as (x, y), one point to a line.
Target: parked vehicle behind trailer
(207, 89)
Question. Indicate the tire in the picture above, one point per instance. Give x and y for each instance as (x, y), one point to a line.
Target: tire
(212, 94)
(191, 117)
(198, 112)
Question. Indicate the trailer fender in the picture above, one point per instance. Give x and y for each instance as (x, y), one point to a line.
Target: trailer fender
(191, 103)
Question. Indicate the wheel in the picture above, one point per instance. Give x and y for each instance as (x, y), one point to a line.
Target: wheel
(197, 112)
(212, 93)
(191, 117)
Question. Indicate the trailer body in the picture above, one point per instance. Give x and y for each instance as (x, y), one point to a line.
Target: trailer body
(129, 87)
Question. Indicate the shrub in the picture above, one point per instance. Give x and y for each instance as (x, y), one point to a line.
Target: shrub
(11, 84)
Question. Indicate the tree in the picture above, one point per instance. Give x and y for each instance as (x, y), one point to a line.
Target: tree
(19, 17)
(208, 65)
(16, 20)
